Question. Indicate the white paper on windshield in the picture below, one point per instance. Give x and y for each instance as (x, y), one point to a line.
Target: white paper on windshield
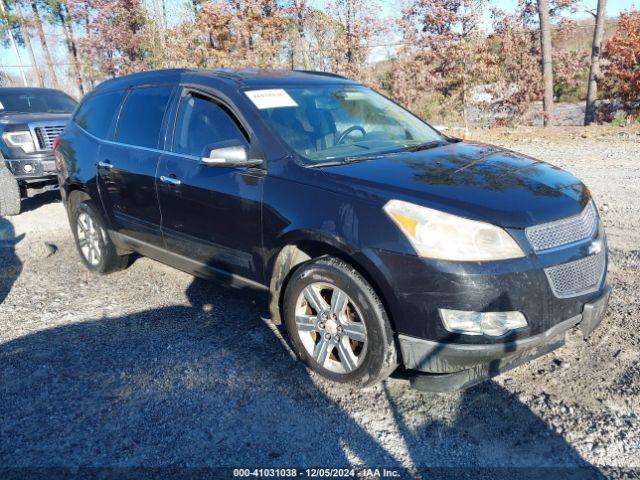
(353, 95)
(271, 98)
(1, 106)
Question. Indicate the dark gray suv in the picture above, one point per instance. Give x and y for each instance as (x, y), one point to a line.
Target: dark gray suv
(30, 120)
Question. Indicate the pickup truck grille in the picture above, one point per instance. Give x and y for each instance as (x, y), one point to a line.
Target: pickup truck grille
(47, 134)
(564, 231)
(578, 277)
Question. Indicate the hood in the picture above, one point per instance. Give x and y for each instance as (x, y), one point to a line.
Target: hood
(25, 118)
(473, 180)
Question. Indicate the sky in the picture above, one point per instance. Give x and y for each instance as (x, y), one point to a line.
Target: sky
(390, 9)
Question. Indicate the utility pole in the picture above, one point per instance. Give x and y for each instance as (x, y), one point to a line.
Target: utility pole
(13, 43)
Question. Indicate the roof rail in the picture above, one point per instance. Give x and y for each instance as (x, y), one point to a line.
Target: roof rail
(319, 72)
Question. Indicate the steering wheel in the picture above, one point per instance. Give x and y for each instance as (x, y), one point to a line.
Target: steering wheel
(344, 134)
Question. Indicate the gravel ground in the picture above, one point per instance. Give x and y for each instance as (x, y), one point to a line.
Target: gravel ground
(151, 367)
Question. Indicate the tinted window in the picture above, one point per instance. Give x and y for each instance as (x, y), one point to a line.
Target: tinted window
(141, 118)
(201, 123)
(35, 102)
(96, 113)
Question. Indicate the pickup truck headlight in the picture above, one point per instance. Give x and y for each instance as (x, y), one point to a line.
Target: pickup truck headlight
(439, 235)
(20, 139)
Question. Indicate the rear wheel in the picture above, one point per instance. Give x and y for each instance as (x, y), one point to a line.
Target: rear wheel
(96, 249)
(10, 201)
(337, 324)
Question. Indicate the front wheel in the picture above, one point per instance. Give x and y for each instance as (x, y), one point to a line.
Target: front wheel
(338, 325)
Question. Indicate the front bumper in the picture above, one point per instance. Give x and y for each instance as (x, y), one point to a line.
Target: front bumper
(415, 289)
(33, 168)
(453, 366)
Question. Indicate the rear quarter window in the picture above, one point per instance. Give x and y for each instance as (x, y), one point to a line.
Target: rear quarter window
(96, 113)
(142, 115)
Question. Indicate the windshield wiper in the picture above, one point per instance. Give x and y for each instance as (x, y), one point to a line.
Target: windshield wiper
(426, 146)
(348, 160)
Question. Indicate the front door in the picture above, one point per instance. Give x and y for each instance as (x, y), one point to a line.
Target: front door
(210, 214)
(128, 165)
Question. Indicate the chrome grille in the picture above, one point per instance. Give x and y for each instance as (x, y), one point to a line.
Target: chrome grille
(578, 277)
(47, 134)
(564, 231)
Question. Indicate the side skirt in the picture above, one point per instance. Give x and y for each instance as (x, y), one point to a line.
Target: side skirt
(185, 264)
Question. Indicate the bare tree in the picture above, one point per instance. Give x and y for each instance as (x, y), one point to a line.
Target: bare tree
(26, 39)
(43, 40)
(594, 69)
(60, 12)
(4, 10)
(159, 33)
(157, 12)
(547, 59)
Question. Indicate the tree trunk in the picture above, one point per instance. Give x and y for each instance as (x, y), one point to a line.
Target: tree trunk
(547, 59)
(157, 13)
(45, 45)
(27, 44)
(67, 28)
(160, 28)
(86, 57)
(594, 69)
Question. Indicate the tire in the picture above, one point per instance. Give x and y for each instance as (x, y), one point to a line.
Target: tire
(357, 345)
(96, 249)
(10, 200)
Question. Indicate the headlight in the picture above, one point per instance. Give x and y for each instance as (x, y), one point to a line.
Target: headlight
(439, 235)
(21, 139)
(493, 324)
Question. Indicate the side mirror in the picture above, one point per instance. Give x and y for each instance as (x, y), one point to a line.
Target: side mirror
(229, 156)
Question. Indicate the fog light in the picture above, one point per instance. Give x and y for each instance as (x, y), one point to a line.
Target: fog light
(28, 168)
(493, 324)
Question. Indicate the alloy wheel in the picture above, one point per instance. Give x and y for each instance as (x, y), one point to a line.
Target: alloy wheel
(331, 327)
(89, 239)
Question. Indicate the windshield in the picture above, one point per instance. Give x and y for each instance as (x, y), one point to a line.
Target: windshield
(338, 122)
(36, 102)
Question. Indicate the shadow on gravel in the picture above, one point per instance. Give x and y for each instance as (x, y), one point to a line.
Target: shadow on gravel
(32, 203)
(210, 385)
(494, 433)
(10, 264)
(200, 385)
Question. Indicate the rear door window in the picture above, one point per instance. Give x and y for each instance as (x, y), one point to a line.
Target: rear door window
(97, 112)
(202, 123)
(141, 119)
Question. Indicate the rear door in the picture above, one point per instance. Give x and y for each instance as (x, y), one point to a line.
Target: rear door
(210, 214)
(128, 165)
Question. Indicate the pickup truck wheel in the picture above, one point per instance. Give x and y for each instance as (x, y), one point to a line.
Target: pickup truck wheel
(337, 324)
(9, 193)
(96, 249)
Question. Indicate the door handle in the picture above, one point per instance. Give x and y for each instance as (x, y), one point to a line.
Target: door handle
(170, 180)
(106, 165)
